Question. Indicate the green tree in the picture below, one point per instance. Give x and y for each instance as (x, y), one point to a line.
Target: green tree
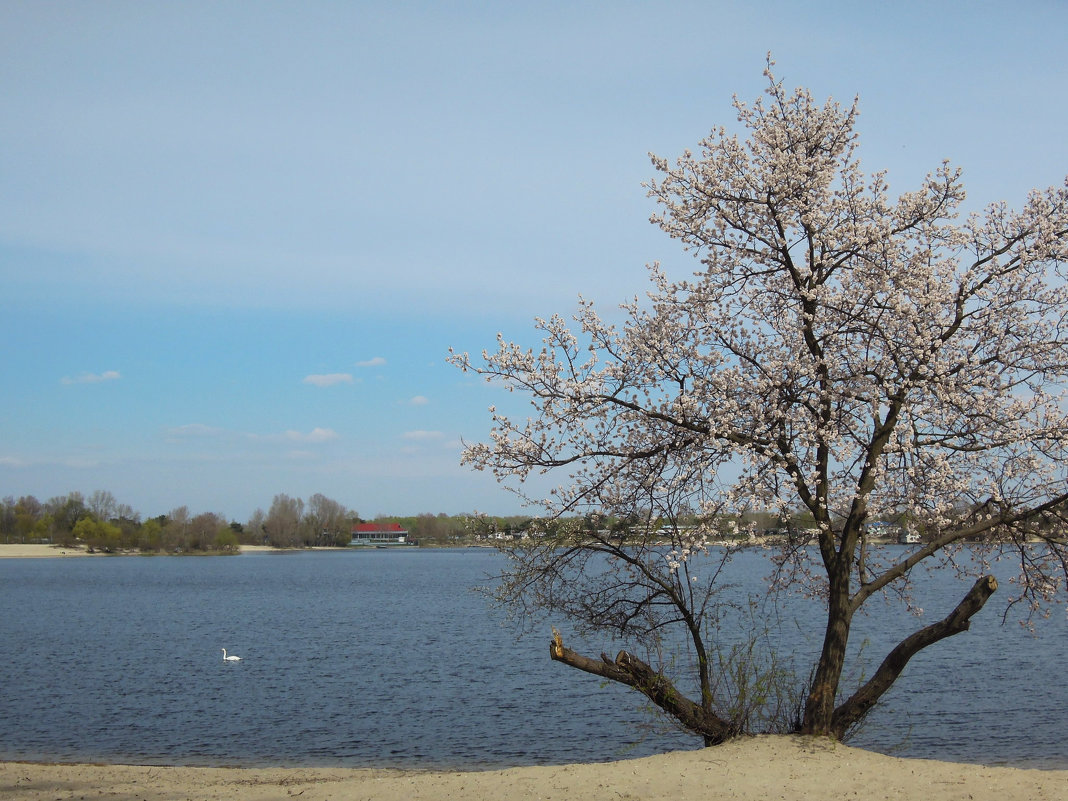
(226, 541)
(175, 535)
(150, 537)
(204, 530)
(28, 513)
(98, 535)
(66, 511)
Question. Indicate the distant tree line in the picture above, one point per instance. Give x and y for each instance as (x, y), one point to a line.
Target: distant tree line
(100, 523)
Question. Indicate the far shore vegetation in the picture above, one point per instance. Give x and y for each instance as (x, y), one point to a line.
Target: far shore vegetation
(100, 524)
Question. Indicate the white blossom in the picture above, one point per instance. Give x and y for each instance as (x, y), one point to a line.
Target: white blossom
(837, 352)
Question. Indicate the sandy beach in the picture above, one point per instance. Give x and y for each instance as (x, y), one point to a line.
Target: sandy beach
(757, 769)
(17, 551)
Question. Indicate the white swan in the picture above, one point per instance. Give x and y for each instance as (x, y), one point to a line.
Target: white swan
(230, 658)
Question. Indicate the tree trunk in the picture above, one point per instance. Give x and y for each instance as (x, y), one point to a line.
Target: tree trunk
(819, 707)
(628, 669)
(955, 622)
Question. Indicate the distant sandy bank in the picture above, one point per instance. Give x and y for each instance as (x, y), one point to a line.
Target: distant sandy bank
(758, 769)
(39, 551)
(17, 551)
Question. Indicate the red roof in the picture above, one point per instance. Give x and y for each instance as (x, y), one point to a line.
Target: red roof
(373, 528)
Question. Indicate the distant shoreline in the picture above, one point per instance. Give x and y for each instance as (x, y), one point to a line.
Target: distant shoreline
(748, 769)
(21, 551)
(35, 551)
(38, 551)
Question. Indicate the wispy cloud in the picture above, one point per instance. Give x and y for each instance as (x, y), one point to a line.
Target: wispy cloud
(328, 379)
(191, 430)
(423, 436)
(74, 462)
(201, 431)
(93, 378)
(315, 435)
(377, 361)
(419, 400)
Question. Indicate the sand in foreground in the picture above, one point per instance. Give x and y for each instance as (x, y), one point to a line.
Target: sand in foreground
(756, 769)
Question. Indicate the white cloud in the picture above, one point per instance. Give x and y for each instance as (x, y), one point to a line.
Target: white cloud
(194, 430)
(79, 462)
(315, 435)
(328, 379)
(419, 400)
(201, 431)
(74, 462)
(377, 361)
(422, 436)
(93, 378)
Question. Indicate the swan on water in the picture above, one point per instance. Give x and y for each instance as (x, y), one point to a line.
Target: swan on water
(230, 658)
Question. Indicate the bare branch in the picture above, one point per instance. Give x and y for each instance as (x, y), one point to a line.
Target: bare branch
(848, 713)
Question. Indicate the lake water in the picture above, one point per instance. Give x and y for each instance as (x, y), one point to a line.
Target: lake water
(388, 658)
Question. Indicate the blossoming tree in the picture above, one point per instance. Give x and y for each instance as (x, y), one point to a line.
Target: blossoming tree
(839, 354)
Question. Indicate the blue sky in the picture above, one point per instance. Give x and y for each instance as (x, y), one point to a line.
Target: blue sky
(238, 238)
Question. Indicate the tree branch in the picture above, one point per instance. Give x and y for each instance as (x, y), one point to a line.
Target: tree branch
(629, 670)
(955, 622)
(900, 569)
